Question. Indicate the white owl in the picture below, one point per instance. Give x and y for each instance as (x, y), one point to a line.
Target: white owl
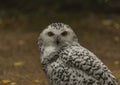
(66, 62)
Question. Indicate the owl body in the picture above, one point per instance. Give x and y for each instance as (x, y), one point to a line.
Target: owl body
(66, 62)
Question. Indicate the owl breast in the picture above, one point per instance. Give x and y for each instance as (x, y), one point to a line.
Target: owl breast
(60, 73)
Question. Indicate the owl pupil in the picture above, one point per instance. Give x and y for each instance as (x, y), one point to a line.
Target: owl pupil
(50, 34)
(64, 33)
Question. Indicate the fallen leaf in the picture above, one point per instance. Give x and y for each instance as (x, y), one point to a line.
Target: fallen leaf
(6, 81)
(107, 22)
(117, 26)
(116, 62)
(21, 42)
(116, 38)
(13, 83)
(36, 81)
(19, 63)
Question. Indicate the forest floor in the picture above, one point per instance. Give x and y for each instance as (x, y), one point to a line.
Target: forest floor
(20, 58)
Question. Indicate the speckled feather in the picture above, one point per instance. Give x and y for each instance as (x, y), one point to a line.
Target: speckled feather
(72, 64)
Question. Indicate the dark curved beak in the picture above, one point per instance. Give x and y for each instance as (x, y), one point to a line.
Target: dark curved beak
(57, 40)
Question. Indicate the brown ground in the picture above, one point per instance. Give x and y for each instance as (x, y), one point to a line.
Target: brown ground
(19, 54)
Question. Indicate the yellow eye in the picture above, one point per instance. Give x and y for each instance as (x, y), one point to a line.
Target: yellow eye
(50, 34)
(65, 33)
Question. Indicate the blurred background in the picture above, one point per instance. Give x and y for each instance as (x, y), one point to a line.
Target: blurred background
(96, 22)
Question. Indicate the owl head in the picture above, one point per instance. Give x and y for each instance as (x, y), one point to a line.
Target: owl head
(57, 34)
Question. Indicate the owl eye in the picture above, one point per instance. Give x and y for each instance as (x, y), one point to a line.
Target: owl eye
(65, 33)
(50, 34)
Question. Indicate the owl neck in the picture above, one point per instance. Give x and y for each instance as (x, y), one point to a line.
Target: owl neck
(54, 48)
(49, 53)
(48, 50)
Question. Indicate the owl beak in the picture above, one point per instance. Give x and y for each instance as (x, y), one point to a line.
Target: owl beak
(57, 40)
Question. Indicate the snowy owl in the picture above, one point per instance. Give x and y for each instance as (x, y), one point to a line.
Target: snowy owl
(66, 62)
